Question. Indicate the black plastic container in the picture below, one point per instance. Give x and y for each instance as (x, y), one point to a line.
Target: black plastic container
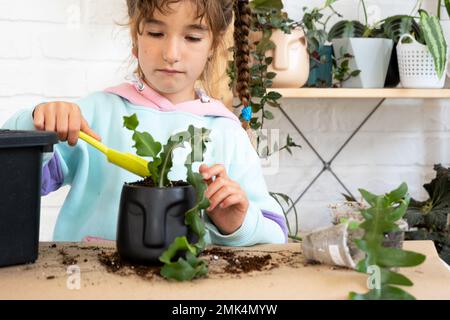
(20, 193)
(150, 219)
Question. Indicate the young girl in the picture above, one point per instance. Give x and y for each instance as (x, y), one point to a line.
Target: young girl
(175, 44)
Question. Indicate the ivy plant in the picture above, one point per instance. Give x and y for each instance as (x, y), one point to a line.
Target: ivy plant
(267, 15)
(162, 161)
(379, 218)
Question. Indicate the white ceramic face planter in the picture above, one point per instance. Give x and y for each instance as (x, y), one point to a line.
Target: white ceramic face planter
(290, 58)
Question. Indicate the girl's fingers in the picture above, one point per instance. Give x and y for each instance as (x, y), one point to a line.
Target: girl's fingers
(62, 124)
(214, 186)
(216, 170)
(221, 195)
(86, 129)
(50, 119)
(231, 201)
(74, 128)
(218, 183)
(39, 119)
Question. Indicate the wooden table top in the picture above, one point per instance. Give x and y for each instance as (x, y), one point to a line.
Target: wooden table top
(284, 274)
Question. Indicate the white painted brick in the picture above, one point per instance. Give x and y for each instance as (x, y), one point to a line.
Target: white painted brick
(16, 41)
(102, 75)
(102, 43)
(105, 11)
(42, 78)
(57, 11)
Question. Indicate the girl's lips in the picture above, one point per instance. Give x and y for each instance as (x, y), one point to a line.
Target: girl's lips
(170, 71)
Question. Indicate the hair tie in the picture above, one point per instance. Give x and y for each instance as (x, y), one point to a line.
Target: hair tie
(247, 113)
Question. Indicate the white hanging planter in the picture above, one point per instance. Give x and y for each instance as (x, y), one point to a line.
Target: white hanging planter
(370, 55)
(416, 65)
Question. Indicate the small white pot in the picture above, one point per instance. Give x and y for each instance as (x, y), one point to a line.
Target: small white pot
(416, 65)
(370, 55)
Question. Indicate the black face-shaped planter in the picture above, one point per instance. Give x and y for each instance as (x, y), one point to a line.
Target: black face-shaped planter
(150, 219)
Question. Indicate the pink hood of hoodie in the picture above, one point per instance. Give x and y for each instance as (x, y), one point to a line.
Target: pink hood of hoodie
(145, 96)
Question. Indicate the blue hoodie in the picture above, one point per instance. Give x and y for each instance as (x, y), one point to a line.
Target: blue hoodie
(91, 206)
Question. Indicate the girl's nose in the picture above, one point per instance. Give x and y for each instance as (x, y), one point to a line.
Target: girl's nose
(171, 54)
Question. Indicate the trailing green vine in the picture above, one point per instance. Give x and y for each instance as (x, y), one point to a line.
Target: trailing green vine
(267, 15)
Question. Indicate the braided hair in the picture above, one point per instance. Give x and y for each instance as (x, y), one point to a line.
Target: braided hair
(242, 22)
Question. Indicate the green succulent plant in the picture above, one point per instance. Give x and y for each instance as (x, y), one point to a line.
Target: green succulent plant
(380, 218)
(159, 168)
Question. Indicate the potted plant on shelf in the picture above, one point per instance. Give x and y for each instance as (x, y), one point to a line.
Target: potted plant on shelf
(160, 221)
(319, 49)
(364, 55)
(424, 65)
(281, 42)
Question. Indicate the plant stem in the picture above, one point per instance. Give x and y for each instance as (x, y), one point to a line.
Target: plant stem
(365, 13)
(439, 9)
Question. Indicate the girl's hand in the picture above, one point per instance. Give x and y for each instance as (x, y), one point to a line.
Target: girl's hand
(64, 118)
(229, 203)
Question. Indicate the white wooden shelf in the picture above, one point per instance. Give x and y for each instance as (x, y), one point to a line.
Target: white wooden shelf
(344, 93)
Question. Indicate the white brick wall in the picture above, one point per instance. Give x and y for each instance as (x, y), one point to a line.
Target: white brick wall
(65, 49)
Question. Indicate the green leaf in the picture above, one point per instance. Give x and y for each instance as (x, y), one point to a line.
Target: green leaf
(267, 4)
(269, 61)
(196, 180)
(329, 3)
(399, 212)
(390, 277)
(180, 243)
(391, 257)
(346, 29)
(385, 293)
(399, 193)
(447, 6)
(355, 73)
(183, 270)
(131, 123)
(145, 145)
(369, 197)
(198, 139)
(153, 168)
(268, 115)
(435, 40)
(271, 75)
(273, 95)
(195, 222)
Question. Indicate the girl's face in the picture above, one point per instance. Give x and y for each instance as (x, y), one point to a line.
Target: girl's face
(173, 51)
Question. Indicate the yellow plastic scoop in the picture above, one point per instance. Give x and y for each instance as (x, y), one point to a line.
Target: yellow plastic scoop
(127, 161)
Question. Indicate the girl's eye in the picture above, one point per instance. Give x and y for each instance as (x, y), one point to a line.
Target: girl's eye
(155, 34)
(194, 39)
(158, 35)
